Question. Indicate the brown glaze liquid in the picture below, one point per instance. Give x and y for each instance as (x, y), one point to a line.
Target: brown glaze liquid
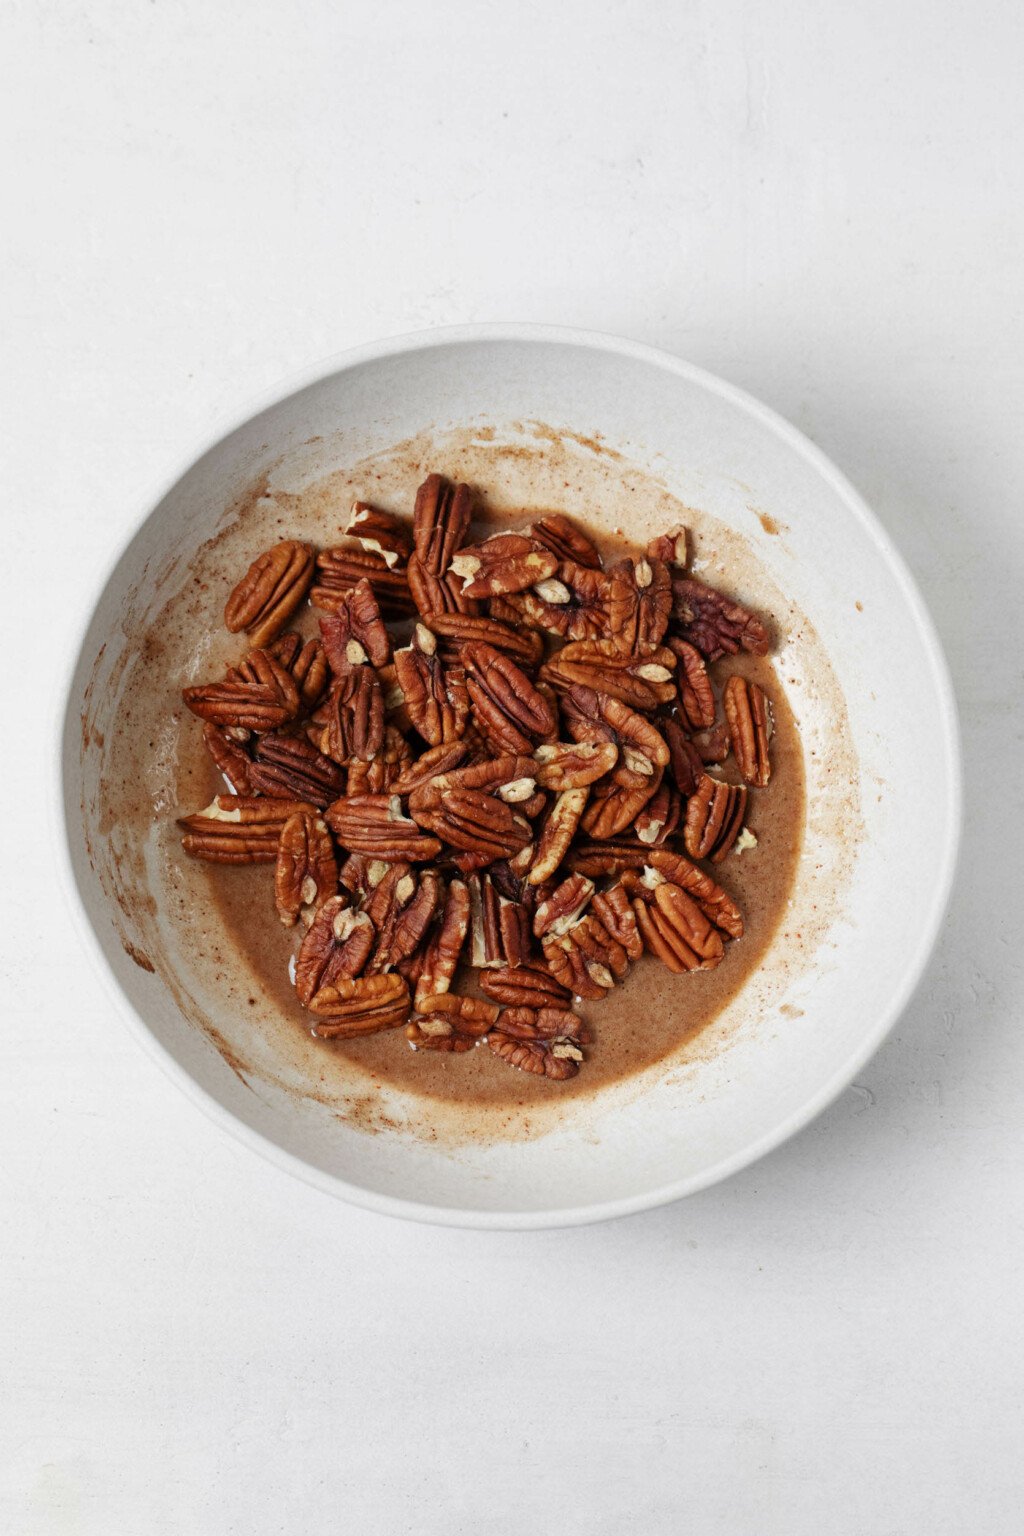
(642, 1020)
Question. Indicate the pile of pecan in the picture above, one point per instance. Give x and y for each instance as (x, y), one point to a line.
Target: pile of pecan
(495, 756)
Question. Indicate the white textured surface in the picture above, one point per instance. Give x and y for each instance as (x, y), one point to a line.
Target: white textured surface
(824, 207)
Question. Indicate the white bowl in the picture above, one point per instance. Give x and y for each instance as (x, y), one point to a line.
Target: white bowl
(875, 877)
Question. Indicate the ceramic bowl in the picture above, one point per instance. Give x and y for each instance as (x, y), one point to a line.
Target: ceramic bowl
(880, 745)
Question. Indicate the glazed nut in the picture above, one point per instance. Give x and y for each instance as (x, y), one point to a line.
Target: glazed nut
(377, 826)
(543, 1041)
(338, 571)
(573, 765)
(476, 822)
(290, 767)
(564, 907)
(525, 986)
(615, 807)
(440, 522)
(364, 1005)
(712, 622)
(669, 547)
(338, 944)
(306, 873)
(715, 814)
(596, 717)
(642, 680)
(355, 715)
(401, 908)
(470, 1015)
(380, 533)
(355, 616)
(556, 833)
(269, 698)
(660, 816)
(454, 630)
(508, 562)
(381, 774)
(230, 756)
(696, 696)
(435, 695)
(716, 904)
(566, 541)
(685, 762)
(270, 591)
(433, 594)
(306, 660)
(441, 956)
(639, 603)
(748, 714)
(239, 829)
(507, 707)
(573, 603)
(673, 925)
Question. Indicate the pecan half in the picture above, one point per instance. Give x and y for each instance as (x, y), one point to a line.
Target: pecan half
(433, 594)
(440, 521)
(750, 724)
(307, 870)
(714, 623)
(355, 713)
(660, 816)
(614, 909)
(715, 903)
(355, 616)
(684, 759)
(639, 603)
(441, 956)
(270, 591)
(564, 907)
(596, 717)
(475, 821)
(573, 603)
(673, 926)
(566, 541)
(614, 807)
(505, 776)
(574, 764)
(239, 829)
(454, 630)
(268, 701)
(435, 763)
(610, 857)
(505, 563)
(375, 825)
(544, 1041)
(291, 768)
(525, 986)
(556, 833)
(714, 818)
(307, 663)
(338, 944)
(696, 696)
(348, 1008)
(643, 681)
(382, 773)
(229, 755)
(339, 570)
(586, 959)
(380, 533)
(435, 695)
(712, 746)
(669, 547)
(448, 1022)
(401, 908)
(507, 707)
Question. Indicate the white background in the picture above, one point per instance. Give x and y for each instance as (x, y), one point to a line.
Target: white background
(821, 203)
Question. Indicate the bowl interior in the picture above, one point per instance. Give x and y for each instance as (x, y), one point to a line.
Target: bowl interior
(616, 423)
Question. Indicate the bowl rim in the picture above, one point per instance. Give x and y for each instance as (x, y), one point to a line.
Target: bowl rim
(951, 778)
